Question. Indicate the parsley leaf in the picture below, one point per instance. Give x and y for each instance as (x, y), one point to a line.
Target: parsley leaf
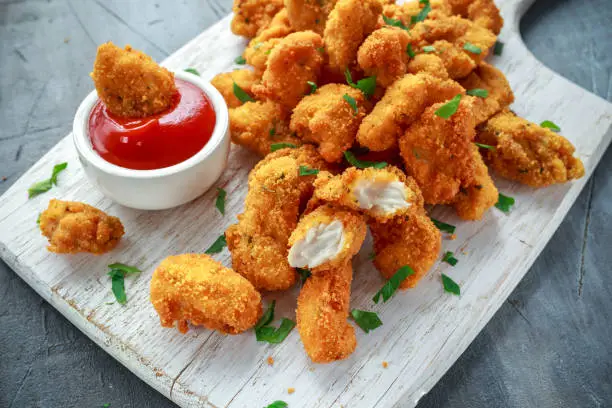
(450, 285)
(351, 101)
(278, 404)
(410, 52)
(372, 255)
(394, 22)
(217, 246)
(498, 48)
(366, 320)
(46, 185)
(117, 273)
(550, 125)
(313, 87)
(304, 274)
(273, 335)
(220, 201)
(267, 317)
(481, 93)
(240, 60)
(362, 164)
(38, 219)
(485, 146)
(393, 284)
(449, 258)
(125, 269)
(277, 146)
(366, 85)
(448, 109)
(429, 48)
(422, 14)
(192, 71)
(472, 48)
(241, 94)
(305, 171)
(504, 203)
(442, 226)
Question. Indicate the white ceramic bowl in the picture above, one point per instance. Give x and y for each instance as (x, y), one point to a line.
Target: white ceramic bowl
(161, 188)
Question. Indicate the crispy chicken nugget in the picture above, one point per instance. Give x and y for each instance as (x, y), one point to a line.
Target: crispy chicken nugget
(406, 11)
(197, 289)
(384, 55)
(499, 96)
(251, 16)
(224, 83)
(326, 239)
(73, 227)
(482, 12)
(411, 240)
(260, 47)
(130, 83)
(349, 23)
(403, 103)
(473, 201)
(428, 63)
(437, 152)
(322, 312)
(528, 153)
(309, 15)
(326, 119)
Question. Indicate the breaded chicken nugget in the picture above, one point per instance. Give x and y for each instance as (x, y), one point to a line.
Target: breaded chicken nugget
(251, 16)
(322, 312)
(73, 227)
(437, 152)
(224, 83)
(349, 23)
(326, 119)
(326, 239)
(258, 125)
(491, 79)
(482, 12)
(130, 83)
(473, 201)
(381, 194)
(260, 47)
(309, 15)
(405, 12)
(197, 289)
(384, 55)
(294, 61)
(411, 240)
(428, 63)
(528, 153)
(403, 103)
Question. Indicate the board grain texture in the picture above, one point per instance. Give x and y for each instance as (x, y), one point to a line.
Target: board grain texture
(425, 330)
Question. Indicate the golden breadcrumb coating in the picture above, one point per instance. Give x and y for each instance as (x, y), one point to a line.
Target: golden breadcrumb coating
(251, 16)
(258, 125)
(321, 314)
(384, 55)
(411, 240)
(326, 119)
(130, 83)
(406, 11)
(224, 83)
(473, 201)
(73, 227)
(482, 12)
(403, 103)
(500, 96)
(437, 152)
(428, 63)
(294, 61)
(349, 23)
(196, 289)
(528, 153)
(260, 47)
(308, 14)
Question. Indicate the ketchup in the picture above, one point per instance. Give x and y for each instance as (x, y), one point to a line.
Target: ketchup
(157, 141)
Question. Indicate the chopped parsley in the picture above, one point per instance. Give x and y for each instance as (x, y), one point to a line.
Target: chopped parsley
(372, 255)
(394, 22)
(305, 171)
(273, 335)
(304, 274)
(192, 71)
(504, 203)
(448, 109)
(472, 48)
(498, 48)
(365, 85)
(321, 50)
(362, 164)
(485, 146)
(422, 14)
(481, 93)
(46, 185)
(449, 258)
(313, 87)
(38, 219)
(442, 226)
(366, 320)
(241, 94)
(410, 51)
(351, 101)
(278, 404)
(450, 285)
(217, 246)
(272, 132)
(277, 146)
(220, 201)
(240, 60)
(267, 317)
(550, 125)
(117, 273)
(393, 284)
(429, 48)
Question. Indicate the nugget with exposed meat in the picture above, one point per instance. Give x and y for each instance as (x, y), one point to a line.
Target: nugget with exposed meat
(196, 289)
(437, 152)
(130, 83)
(224, 83)
(321, 314)
(308, 14)
(328, 120)
(403, 103)
(73, 227)
(293, 62)
(251, 16)
(474, 200)
(428, 63)
(528, 153)
(383, 54)
(499, 93)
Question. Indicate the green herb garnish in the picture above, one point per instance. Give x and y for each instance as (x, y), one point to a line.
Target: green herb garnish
(217, 246)
(38, 219)
(372, 255)
(267, 317)
(485, 146)
(422, 14)
(351, 101)
(240, 60)
(117, 273)
(472, 48)
(448, 109)
(481, 93)
(366, 320)
(278, 404)
(46, 185)
(394, 22)
(304, 274)
(450, 285)
(321, 49)
(362, 164)
(393, 284)
(449, 258)
(277, 146)
(366, 85)
(241, 94)
(272, 132)
(273, 335)
(429, 48)
(504, 203)
(498, 48)
(442, 226)
(410, 52)
(550, 125)
(220, 201)
(192, 71)
(305, 171)
(313, 87)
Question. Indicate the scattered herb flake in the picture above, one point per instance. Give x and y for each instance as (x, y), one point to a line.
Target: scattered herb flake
(410, 51)
(442, 226)
(192, 71)
(272, 132)
(481, 93)
(241, 94)
(485, 146)
(422, 14)
(267, 52)
(304, 274)
(393, 284)
(305, 171)
(125, 269)
(504, 203)
(267, 317)
(448, 109)
(240, 60)
(273, 335)
(372, 255)
(278, 404)
(394, 22)
(38, 219)
(429, 48)
(217, 246)
(550, 125)
(450, 285)
(117, 273)
(46, 185)
(220, 201)
(313, 87)
(366, 85)
(351, 101)
(366, 320)
(321, 50)
(449, 258)
(362, 164)
(498, 48)
(472, 48)
(277, 146)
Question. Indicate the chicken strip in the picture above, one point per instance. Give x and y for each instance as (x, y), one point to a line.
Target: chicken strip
(492, 80)
(224, 83)
(130, 83)
(295, 61)
(528, 153)
(383, 54)
(328, 120)
(251, 16)
(73, 227)
(309, 15)
(197, 289)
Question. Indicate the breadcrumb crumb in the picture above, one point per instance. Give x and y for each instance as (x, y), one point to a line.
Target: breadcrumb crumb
(290, 390)
(270, 361)
(385, 364)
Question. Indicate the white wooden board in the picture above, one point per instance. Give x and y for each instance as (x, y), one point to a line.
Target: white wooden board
(425, 330)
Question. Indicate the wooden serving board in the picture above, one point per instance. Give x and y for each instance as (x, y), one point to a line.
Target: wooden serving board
(425, 329)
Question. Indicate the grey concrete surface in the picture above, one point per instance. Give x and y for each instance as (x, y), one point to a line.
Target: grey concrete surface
(548, 346)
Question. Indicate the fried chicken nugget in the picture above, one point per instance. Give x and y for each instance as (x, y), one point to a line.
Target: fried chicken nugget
(309, 15)
(294, 61)
(428, 63)
(224, 83)
(482, 12)
(411, 240)
(251, 16)
(326, 119)
(437, 152)
(130, 83)
(403, 103)
(473, 201)
(195, 288)
(491, 79)
(406, 11)
(259, 48)
(73, 227)
(383, 54)
(528, 153)
(349, 23)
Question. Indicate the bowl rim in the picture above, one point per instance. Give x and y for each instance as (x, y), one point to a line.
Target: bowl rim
(80, 134)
